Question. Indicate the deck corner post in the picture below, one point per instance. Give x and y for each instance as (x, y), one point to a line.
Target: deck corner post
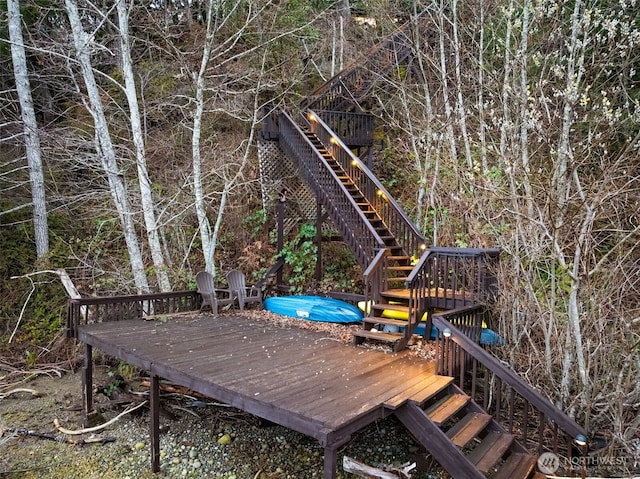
(87, 382)
(154, 424)
(330, 458)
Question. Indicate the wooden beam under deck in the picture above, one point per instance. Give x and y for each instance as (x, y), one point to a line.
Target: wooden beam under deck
(297, 378)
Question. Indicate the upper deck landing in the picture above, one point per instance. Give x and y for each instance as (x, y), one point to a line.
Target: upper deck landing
(298, 378)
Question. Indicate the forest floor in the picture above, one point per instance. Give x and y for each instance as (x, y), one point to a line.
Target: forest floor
(199, 437)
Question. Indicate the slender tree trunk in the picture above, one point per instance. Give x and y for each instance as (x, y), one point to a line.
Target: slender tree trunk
(146, 194)
(481, 114)
(524, 110)
(506, 117)
(562, 181)
(462, 115)
(106, 151)
(445, 94)
(208, 246)
(30, 129)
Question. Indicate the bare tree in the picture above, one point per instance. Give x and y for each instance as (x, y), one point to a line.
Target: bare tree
(146, 193)
(82, 43)
(30, 130)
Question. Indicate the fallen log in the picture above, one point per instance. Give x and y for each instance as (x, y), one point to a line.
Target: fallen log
(71, 432)
(368, 472)
(33, 392)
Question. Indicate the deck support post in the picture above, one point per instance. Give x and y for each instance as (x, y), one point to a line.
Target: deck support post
(280, 233)
(154, 422)
(319, 221)
(330, 459)
(87, 381)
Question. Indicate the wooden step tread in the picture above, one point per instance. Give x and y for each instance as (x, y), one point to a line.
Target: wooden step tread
(396, 293)
(400, 268)
(467, 428)
(442, 411)
(387, 321)
(391, 307)
(420, 392)
(490, 450)
(379, 336)
(397, 279)
(431, 390)
(539, 475)
(398, 258)
(517, 466)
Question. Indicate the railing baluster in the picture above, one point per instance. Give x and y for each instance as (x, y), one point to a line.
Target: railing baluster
(525, 426)
(541, 426)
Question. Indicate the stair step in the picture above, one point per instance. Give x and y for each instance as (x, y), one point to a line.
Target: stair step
(468, 427)
(398, 279)
(421, 392)
(492, 447)
(396, 294)
(439, 413)
(400, 268)
(399, 259)
(391, 307)
(517, 466)
(379, 336)
(387, 321)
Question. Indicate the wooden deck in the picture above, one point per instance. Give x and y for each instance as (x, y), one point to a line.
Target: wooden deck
(300, 379)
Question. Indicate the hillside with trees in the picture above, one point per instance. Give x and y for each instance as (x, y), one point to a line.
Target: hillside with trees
(128, 158)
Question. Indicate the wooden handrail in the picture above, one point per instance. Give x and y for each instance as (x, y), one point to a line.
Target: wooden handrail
(508, 376)
(395, 219)
(356, 230)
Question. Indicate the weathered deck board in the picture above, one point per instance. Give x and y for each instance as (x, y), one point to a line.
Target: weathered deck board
(294, 377)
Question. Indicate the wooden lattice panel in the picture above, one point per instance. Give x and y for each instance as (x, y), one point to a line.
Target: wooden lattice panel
(278, 174)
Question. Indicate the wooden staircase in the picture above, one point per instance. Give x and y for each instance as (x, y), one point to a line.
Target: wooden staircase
(395, 297)
(464, 439)
(403, 276)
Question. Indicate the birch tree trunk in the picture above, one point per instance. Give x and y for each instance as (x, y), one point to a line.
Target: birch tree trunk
(459, 101)
(30, 129)
(146, 194)
(445, 92)
(506, 117)
(208, 248)
(105, 148)
(562, 180)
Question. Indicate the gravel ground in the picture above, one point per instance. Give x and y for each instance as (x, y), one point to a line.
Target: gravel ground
(199, 438)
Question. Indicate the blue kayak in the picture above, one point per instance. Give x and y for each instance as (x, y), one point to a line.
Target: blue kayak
(314, 308)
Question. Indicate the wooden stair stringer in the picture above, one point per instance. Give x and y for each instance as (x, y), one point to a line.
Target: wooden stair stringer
(436, 442)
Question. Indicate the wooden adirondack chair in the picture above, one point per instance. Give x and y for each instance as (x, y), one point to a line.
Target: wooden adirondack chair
(243, 293)
(212, 296)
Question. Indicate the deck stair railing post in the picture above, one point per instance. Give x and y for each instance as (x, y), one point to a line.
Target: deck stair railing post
(521, 410)
(375, 278)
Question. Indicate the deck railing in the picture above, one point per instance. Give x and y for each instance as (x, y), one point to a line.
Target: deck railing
(519, 408)
(450, 278)
(332, 194)
(120, 308)
(393, 216)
